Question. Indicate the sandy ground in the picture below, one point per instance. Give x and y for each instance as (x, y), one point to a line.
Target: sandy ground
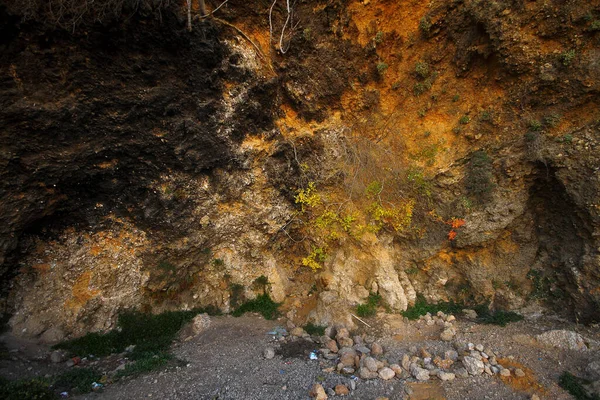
(226, 362)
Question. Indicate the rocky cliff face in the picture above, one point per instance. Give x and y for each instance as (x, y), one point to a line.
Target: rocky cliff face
(445, 149)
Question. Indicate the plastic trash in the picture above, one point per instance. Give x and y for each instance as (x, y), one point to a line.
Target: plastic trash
(96, 386)
(64, 395)
(313, 355)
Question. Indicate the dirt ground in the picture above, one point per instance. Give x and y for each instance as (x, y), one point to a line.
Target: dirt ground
(226, 362)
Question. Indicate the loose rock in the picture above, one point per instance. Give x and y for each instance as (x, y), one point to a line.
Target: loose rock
(342, 390)
(386, 374)
(473, 365)
(269, 353)
(318, 392)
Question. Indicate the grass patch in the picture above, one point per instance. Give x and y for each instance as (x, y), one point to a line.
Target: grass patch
(147, 363)
(262, 304)
(574, 386)
(26, 389)
(313, 329)
(79, 379)
(149, 333)
(422, 307)
(370, 307)
(498, 317)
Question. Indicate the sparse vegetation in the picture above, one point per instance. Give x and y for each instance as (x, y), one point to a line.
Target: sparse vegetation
(455, 98)
(382, 68)
(425, 25)
(464, 120)
(422, 69)
(24, 389)
(422, 307)
(421, 87)
(370, 307)
(567, 57)
(552, 120)
(313, 329)
(262, 304)
(575, 387)
(378, 37)
(535, 125)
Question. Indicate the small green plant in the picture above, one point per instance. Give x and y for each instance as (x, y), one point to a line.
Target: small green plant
(457, 130)
(426, 134)
(166, 266)
(552, 120)
(567, 57)
(485, 116)
(370, 307)
(425, 25)
(568, 138)
(373, 189)
(421, 87)
(497, 317)
(151, 362)
(262, 304)
(236, 293)
(594, 26)
(396, 85)
(262, 282)
(422, 112)
(464, 120)
(307, 34)
(411, 271)
(315, 259)
(575, 386)
(382, 68)
(535, 125)
(422, 69)
(308, 198)
(313, 329)
(218, 262)
(455, 98)
(378, 37)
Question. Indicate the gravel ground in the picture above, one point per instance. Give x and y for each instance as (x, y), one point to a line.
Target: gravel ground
(226, 362)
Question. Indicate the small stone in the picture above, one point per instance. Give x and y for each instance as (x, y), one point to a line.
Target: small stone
(493, 361)
(331, 392)
(473, 365)
(519, 372)
(200, 323)
(57, 356)
(430, 322)
(479, 347)
(347, 370)
(475, 354)
(535, 397)
(448, 334)
(446, 376)
(471, 314)
(342, 390)
(386, 374)
(318, 392)
(370, 363)
(419, 373)
(298, 332)
(439, 322)
(358, 340)
(362, 349)
(593, 369)
(365, 373)
(450, 318)
(70, 363)
(376, 349)
(505, 372)
(342, 333)
(269, 353)
(443, 364)
(347, 357)
(451, 355)
(494, 369)
(330, 332)
(130, 348)
(487, 370)
(332, 346)
(405, 362)
(345, 342)
(461, 373)
(397, 369)
(328, 370)
(425, 353)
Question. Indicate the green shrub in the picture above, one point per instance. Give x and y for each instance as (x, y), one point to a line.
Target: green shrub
(421, 87)
(535, 125)
(381, 68)
(455, 98)
(147, 363)
(313, 329)
(378, 37)
(422, 307)
(76, 378)
(552, 120)
(369, 309)
(262, 304)
(425, 25)
(498, 317)
(149, 333)
(422, 69)
(464, 120)
(574, 386)
(567, 57)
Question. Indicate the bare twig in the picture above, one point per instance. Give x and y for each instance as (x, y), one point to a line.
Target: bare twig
(361, 320)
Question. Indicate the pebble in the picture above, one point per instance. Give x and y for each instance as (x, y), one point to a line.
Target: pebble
(448, 334)
(397, 369)
(405, 362)
(461, 373)
(446, 376)
(362, 349)
(342, 390)
(342, 333)
(332, 346)
(473, 365)
(519, 372)
(365, 373)
(451, 355)
(386, 374)
(370, 363)
(269, 353)
(57, 356)
(419, 373)
(376, 349)
(318, 392)
(479, 347)
(505, 372)
(297, 331)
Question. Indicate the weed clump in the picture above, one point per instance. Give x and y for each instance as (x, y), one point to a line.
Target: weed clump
(370, 308)
(422, 307)
(313, 329)
(262, 304)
